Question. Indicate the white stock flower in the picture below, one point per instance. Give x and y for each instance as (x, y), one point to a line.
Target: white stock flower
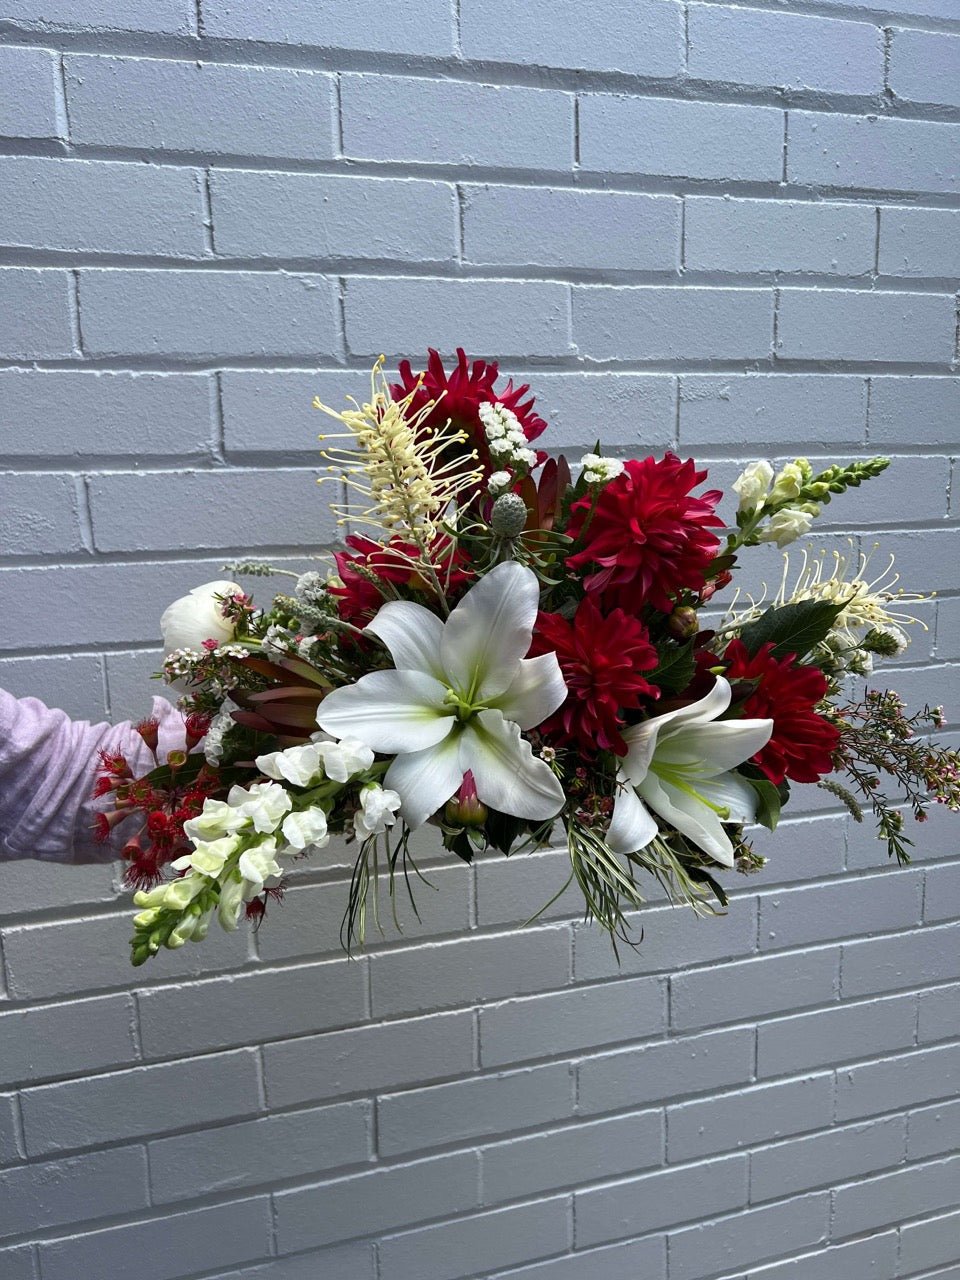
(378, 810)
(306, 828)
(786, 526)
(678, 765)
(753, 484)
(197, 616)
(257, 865)
(457, 699)
(263, 803)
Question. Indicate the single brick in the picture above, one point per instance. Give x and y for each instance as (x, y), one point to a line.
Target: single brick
(39, 513)
(480, 1107)
(650, 322)
(59, 413)
(195, 314)
(749, 1237)
(569, 1157)
(919, 242)
(647, 1258)
(756, 409)
(745, 991)
(251, 1008)
(845, 1032)
(924, 1244)
(67, 1039)
(914, 1077)
(203, 1238)
(35, 311)
(925, 67)
(721, 234)
(424, 28)
(72, 683)
(252, 398)
(570, 1020)
(915, 959)
(513, 890)
(842, 324)
(301, 215)
(485, 1240)
(29, 105)
(876, 1202)
(172, 17)
(342, 1262)
(786, 51)
(872, 152)
(873, 1259)
(632, 411)
(297, 1144)
(948, 630)
(129, 1104)
(667, 932)
(939, 1014)
(456, 122)
(922, 410)
(809, 849)
(766, 1111)
(383, 1055)
(909, 485)
(207, 107)
(644, 39)
(375, 1202)
(664, 1069)
(935, 838)
(820, 913)
(18, 1263)
(933, 1131)
(614, 1211)
(31, 886)
(925, 562)
(73, 1190)
(547, 227)
(941, 899)
(9, 1147)
(619, 134)
(838, 1155)
(88, 206)
(486, 317)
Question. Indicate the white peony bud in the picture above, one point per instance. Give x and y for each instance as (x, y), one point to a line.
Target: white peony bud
(196, 617)
(753, 484)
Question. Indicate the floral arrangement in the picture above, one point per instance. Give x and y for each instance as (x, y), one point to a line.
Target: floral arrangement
(516, 655)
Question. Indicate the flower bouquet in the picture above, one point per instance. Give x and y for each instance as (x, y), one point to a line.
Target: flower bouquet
(515, 654)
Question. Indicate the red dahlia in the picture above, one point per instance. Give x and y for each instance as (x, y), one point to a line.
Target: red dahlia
(463, 392)
(649, 536)
(803, 742)
(600, 658)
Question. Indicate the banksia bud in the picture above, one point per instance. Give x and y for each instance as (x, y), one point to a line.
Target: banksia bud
(509, 515)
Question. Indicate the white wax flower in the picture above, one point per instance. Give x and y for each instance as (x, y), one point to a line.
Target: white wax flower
(197, 616)
(753, 484)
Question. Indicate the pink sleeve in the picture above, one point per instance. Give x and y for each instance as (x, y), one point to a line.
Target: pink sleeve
(48, 765)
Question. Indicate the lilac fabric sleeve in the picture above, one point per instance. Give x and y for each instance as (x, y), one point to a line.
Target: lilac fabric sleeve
(48, 765)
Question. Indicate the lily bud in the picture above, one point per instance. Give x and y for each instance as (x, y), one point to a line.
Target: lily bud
(466, 809)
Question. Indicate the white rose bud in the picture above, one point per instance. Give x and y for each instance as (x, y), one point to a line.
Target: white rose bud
(196, 617)
(786, 526)
(787, 485)
(753, 484)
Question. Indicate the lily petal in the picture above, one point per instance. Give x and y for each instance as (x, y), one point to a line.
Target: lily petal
(412, 634)
(733, 793)
(425, 780)
(536, 691)
(717, 747)
(389, 711)
(632, 825)
(509, 777)
(490, 630)
(695, 820)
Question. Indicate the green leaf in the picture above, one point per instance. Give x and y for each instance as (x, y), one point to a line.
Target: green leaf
(768, 802)
(791, 628)
(675, 669)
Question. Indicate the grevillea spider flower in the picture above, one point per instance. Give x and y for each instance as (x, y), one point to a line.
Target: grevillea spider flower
(679, 766)
(457, 700)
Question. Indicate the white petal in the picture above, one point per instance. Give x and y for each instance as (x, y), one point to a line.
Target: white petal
(425, 780)
(535, 692)
(695, 820)
(412, 634)
(734, 793)
(508, 775)
(707, 708)
(641, 740)
(650, 737)
(715, 747)
(489, 631)
(632, 826)
(389, 711)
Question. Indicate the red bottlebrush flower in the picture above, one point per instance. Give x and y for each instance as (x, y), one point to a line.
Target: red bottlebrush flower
(114, 763)
(803, 742)
(103, 824)
(649, 536)
(148, 730)
(466, 388)
(104, 784)
(601, 658)
(196, 724)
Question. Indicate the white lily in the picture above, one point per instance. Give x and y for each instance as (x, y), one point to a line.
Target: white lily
(458, 699)
(679, 766)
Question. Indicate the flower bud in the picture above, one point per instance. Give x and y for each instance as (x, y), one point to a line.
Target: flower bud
(787, 485)
(509, 515)
(466, 809)
(753, 484)
(683, 622)
(176, 759)
(149, 731)
(182, 892)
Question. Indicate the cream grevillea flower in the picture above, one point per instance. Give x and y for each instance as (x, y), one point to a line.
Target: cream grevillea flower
(678, 766)
(457, 700)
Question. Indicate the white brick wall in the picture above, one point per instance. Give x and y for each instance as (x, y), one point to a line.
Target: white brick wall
(728, 229)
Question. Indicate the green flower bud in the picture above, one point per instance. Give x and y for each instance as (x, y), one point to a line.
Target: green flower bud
(683, 622)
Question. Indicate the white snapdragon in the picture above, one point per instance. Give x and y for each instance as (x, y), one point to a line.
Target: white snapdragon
(300, 765)
(378, 810)
(505, 436)
(220, 725)
(262, 803)
(217, 818)
(257, 865)
(753, 484)
(787, 486)
(231, 900)
(306, 828)
(599, 470)
(786, 526)
(209, 856)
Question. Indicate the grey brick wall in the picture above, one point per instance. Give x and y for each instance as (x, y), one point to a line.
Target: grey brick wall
(728, 229)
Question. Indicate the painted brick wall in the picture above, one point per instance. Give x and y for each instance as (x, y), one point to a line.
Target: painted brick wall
(732, 230)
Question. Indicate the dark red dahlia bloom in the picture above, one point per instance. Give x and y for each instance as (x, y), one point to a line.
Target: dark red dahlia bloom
(803, 742)
(601, 659)
(467, 387)
(359, 599)
(649, 536)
